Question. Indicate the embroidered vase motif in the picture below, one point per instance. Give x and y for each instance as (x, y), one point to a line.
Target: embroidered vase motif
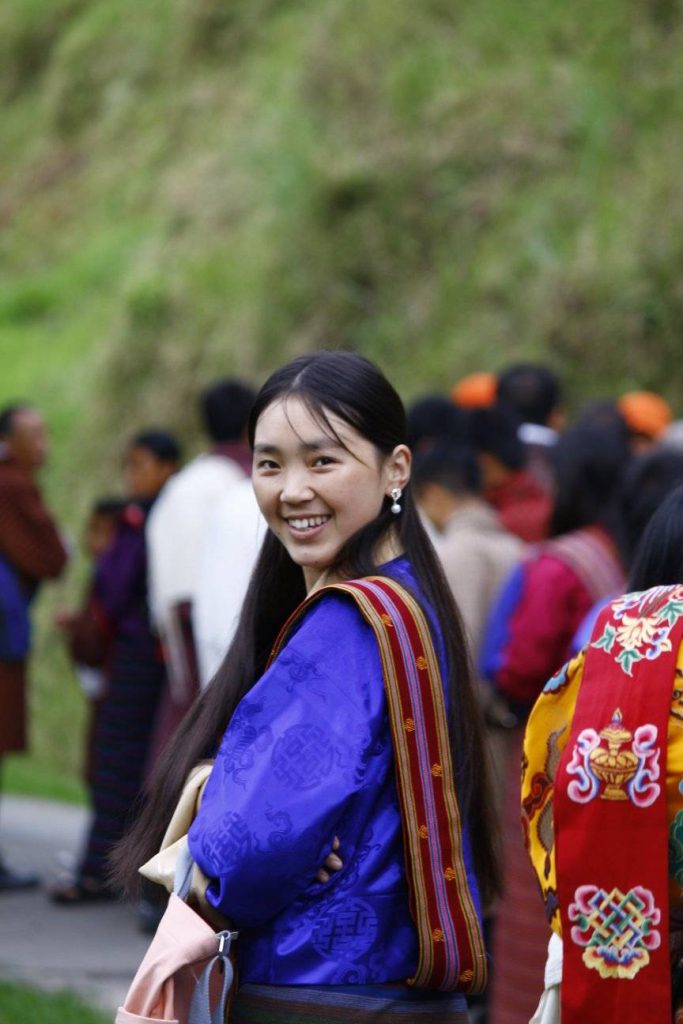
(630, 773)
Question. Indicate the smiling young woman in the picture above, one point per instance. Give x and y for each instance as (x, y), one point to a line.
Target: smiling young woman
(317, 488)
(343, 719)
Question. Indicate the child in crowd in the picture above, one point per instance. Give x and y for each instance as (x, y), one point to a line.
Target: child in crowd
(129, 656)
(86, 631)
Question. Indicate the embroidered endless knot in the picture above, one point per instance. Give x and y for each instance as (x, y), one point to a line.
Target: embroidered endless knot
(227, 842)
(345, 932)
(302, 758)
(617, 929)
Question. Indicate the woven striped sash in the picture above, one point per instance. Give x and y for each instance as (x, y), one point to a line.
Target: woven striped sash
(451, 948)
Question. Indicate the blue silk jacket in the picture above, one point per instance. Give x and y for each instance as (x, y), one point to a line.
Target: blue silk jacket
(308, 756)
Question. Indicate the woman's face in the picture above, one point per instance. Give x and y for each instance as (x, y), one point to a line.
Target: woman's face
(313, 492)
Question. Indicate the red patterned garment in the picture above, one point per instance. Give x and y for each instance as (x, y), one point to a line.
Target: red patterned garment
(561, 583)
(30, 543)
(601, 806)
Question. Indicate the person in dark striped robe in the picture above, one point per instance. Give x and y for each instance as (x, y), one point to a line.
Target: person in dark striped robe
(135, 673)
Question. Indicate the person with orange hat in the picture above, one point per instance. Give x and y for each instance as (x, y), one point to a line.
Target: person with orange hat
(475, 391)
(647, 417)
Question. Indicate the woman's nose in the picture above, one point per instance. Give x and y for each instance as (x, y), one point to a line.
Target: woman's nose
(296, 489)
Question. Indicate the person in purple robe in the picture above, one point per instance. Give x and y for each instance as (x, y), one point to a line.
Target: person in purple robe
(133, 672)
(300, 830)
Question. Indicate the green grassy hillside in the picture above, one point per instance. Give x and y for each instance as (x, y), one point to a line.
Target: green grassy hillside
(192, 187)
(18, 1003)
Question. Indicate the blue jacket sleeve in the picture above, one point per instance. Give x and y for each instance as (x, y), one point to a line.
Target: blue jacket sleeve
(296, 751)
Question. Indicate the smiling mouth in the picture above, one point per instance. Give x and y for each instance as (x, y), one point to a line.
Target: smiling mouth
(306, 524)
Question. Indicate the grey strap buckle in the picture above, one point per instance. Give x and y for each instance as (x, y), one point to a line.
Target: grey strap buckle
(225, 941)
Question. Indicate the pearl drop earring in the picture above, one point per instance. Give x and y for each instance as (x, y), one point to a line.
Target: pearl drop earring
(396, 494)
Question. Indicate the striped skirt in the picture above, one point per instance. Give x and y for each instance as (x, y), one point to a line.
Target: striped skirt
(299, 1004)
(520, 932)
(120, 746)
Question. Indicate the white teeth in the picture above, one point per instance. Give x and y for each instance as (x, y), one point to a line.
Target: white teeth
(308, 523)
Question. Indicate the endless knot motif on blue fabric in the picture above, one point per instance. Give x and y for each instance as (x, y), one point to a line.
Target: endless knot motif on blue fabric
(228, 841)
(302, 758)
(346, 931)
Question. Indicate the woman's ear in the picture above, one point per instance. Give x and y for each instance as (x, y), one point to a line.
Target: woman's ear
(398, 467)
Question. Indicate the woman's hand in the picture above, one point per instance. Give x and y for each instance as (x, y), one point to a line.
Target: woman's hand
(332, 863)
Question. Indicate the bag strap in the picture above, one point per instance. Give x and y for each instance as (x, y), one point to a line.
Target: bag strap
(200, 1006)
(452, 956)
(184, 867)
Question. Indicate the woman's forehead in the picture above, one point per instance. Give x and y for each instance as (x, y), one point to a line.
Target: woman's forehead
(290, 421)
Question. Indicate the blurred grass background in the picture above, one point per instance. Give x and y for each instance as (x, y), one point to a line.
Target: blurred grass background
(193, 188)
(19, 1005)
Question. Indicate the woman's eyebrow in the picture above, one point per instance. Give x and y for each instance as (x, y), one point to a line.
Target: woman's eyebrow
(320, 443)
(308, 446)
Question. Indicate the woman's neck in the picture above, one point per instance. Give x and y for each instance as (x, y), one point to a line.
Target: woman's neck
(388, 549)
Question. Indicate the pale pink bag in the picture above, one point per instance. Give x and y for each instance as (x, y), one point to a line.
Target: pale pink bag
(186, 973)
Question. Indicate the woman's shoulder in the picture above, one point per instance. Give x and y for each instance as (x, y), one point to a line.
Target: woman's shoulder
(330, 604)
(329, 649)
(402, 571)
(332, 621)
(335, 614)
(586, 559)
(550, 570)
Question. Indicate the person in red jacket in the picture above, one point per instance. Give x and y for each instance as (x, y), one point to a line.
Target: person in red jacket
(31, 550)
(523, 505)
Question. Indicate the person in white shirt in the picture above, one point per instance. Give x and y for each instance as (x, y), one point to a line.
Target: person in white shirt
(176, 534)
(233, 538)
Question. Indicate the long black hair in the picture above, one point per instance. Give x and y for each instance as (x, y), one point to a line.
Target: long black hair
(647, 482)
(589, 461)
(349, 387)
(658, 561)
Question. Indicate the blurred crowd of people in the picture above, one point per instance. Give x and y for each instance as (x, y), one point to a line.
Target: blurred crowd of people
(170, 561)
(536, 519)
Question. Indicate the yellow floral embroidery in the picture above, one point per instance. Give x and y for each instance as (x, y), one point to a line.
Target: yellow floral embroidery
(635, 632)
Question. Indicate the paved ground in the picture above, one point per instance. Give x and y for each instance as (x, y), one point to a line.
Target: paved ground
(93, 950)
